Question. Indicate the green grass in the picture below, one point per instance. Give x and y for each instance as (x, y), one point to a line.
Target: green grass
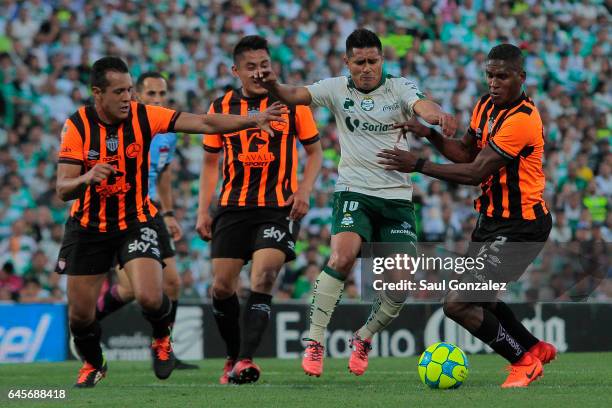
(573, 380)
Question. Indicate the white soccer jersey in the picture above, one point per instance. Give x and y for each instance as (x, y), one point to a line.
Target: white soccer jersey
(365, 125)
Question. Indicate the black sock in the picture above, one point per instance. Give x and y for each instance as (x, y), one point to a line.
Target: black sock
(507, 318)
(174, 304)
(495, 335)
(160, 318)
(256, 319)
(112, 302)
(227, 313)
(87, 342)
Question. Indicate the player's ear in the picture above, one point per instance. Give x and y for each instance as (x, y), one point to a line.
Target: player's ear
(234, 70)
(346, 59)
(96, 91)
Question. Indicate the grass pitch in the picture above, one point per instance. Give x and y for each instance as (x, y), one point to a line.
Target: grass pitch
(573, 380)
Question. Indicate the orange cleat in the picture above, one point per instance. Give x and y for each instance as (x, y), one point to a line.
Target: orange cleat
(523, 372)
(244, 371)
(89, 375)
(358, 362)
(312, 362)
(545, 352)
(227, 369)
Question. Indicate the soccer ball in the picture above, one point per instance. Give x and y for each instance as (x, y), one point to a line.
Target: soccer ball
(443, 366)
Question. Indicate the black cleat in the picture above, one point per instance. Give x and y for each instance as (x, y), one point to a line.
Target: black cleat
(164, 360)
(89, 376)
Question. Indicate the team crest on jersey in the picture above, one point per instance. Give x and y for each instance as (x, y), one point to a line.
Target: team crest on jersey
(367, 104)
(112, 143)
(280, 126)
(347, 220)
(252, 111)
(132, 150)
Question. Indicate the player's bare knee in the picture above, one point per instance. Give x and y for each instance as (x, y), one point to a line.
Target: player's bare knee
(451, 306)
(80, 318)
(149, 301)
(172, 288)
(263, 280)
(222, 289)
(342, 263)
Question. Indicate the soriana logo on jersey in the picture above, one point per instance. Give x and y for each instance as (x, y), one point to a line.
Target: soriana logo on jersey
(257, 153)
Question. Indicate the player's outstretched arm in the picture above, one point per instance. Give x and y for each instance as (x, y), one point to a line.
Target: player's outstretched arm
(71, 183)
(433, 114)
(291, 95)
(462, 150)
(474, 173)
(209, 174)
(220, 123)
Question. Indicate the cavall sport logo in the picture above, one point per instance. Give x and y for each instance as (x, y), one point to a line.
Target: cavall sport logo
(257, 154)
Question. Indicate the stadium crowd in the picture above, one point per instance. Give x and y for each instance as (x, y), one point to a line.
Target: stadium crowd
(47, 47)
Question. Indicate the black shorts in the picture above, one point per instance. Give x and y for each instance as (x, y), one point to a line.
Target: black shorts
(506, 247)
(166, 243)
(86, 252)
(238, 232)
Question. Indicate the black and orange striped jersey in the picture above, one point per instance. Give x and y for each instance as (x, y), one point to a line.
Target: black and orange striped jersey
(122, 200)
(516, 133)
(260, 170)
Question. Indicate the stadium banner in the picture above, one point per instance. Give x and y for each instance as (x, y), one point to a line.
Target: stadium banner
(33, 332)
(126, 335)
(569, 326)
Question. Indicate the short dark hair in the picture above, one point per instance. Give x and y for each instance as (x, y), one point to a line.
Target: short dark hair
(149, 74)
(104, 65)
(508, 52)
(250, 43)
(362, 38)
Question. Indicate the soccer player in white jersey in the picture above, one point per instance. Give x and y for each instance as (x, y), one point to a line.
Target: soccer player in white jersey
(371, 204)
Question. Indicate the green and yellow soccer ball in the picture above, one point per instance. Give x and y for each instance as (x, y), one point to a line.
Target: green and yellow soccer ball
(443, 366)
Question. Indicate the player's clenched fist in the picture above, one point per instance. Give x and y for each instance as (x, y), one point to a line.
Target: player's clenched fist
(448, 123)
(99, 173)
(265, 77)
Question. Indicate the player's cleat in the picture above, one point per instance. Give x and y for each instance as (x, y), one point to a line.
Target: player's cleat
(181, 365)
(227, 369)
(523, 372)
(358, 362)
(312, 362)
(545, 352)
(243, 372)
(89, 375)
(164, 360)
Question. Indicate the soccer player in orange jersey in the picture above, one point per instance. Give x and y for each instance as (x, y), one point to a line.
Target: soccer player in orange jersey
(103, 165)
(503, 152)
(259, 209)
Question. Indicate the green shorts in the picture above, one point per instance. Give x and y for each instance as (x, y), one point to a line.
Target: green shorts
(374, 219)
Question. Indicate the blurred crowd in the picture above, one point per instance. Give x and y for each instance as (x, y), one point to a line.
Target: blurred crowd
(48, 46)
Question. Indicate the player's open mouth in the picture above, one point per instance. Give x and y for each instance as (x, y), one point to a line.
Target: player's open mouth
(125, 109)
